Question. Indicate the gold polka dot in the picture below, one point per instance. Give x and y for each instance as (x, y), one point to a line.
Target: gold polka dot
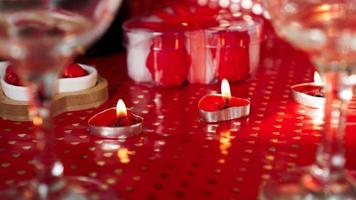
(255, 135)
(108, 155)
(68, 131)
(274, 140)
(249, 151)
(264, 103)
(31, 162)
(242, 169)
(156, 124)
(270, 158)
(300, 117)
(129, 188)
(118, 171)
(272, 149)
(111, 181)
(279, 120)
(101, 163)
(276, 133)
(251, 142)
(268, 167)
(5, 165)
(104, 187)
(91, 148)
(262, 109)
(9, 182)
(83, 137)
(136, 178)
(21, 172)
(144, 168)
(93, 174)
(293, 155)
(12, 142)
(297, 138)
(26, 147)
(21, 135)
(291, 164)
(16, 155)
(256, 128)
(236, 190)
(266, 176)
(239, 179)
(99, 142)
(277, 126)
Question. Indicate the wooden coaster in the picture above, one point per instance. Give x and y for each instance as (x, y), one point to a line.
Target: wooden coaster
(64, 102)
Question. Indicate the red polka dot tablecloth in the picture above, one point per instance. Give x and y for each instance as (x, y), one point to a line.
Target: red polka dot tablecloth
(178, 156)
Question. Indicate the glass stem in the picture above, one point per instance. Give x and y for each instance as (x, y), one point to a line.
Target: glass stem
(330, 156)
(49, 169)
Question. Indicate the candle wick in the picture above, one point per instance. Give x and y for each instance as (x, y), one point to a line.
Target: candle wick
(320, 92)
(119, 121)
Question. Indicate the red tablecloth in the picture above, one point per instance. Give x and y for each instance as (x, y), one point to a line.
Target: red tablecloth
(178, 156)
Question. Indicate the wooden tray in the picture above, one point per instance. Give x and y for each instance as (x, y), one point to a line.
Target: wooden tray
(64, 102)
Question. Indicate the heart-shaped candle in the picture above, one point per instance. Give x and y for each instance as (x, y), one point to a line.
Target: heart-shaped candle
(116, 122)
(221, 107)
(310, 94)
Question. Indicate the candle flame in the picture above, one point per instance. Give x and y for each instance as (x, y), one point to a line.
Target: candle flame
(225, 89)
(121, 109)
(317, 78)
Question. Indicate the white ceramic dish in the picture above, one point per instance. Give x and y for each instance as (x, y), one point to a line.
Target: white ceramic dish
(80, 83)
(17, 93)
(20, 93)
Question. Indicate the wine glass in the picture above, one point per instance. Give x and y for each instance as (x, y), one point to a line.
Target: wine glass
(326, 30)
(39, 37)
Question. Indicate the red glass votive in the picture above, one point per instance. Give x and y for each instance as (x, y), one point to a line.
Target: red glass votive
(168, 60)
(231, 54)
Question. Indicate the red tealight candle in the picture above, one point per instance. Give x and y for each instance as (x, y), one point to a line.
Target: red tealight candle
(221, 107)
(117, 122)
(310, 94)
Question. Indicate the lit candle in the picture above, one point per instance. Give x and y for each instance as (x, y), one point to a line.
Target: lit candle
(310, 94)
(117, 122)
(222, 107)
